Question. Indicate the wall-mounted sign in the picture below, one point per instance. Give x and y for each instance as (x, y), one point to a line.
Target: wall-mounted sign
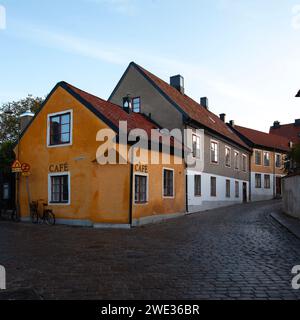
(25, 167)
(16, 167)
(63, 167)
(141, 168)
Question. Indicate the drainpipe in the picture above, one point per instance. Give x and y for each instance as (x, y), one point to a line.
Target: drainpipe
(131, 190)
(274, 174)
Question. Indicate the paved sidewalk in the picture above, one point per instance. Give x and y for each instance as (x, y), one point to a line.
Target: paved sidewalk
(290, 223)
(239, 252)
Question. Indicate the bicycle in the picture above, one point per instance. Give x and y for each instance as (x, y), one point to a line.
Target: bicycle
(47, 216)
(7, 213)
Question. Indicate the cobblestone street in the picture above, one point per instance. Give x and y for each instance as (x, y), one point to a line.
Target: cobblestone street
(230, 253)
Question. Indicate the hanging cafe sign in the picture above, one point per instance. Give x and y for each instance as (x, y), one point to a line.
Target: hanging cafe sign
(18, 167)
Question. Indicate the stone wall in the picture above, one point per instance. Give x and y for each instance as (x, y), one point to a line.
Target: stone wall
(291, 195)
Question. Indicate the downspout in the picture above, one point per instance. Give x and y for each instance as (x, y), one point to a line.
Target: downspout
(250, 178)
(131, 190)
(274, 175)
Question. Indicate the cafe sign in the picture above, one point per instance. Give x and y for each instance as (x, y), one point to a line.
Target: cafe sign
(62, 167)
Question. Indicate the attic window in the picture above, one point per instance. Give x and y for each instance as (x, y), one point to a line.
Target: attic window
(136, 105)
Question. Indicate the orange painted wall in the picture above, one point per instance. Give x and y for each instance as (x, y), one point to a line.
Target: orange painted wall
(98, 193)
(268, 169)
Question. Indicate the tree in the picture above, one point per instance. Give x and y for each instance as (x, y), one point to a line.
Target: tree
(294, 159)
(7, 156)
(9, 123)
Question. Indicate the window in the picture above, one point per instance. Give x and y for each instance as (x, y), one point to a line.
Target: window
(227, 157)
(236, 160)
(227, 188)
(278, 161)
(213, 186)
(5, 191)
(237, 189)
(59, 131)
(141, 189)
(257, 181)
(214, 152)
(267, 181)
(244, 163)
(258, 157)
(266, 159)
(168, 183)
(197, 184)
(59, 189)
(196, 146)
(136, 105)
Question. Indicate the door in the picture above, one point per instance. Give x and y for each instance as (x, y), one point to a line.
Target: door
(278, 186)
(245, 198)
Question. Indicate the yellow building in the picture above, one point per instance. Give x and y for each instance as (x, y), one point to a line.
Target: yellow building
(60, 146)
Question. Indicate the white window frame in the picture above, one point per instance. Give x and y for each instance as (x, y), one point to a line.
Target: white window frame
(261, 186)
(147, 187)
(230, 158)
(237, 190)
(59, 174)
(50, 115)
(198, 195)
(267, 175)
(261, 158)
(218, 151)
(163, 171)
(198, 138)
(238, 160)
(267, 152)
(281, 160)
(246, 157)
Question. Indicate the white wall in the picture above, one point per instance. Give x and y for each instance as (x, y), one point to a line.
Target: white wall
(206, 202)
(291, 195)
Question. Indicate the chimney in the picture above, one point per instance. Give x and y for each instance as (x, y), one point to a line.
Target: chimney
(223, 117)
(25, 119)
(127, 104)
(177, 82)
(297, 122)
(276, 124)
(231, 122)
(204, 102)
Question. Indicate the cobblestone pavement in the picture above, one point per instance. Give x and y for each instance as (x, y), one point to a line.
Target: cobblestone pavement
(233, 253)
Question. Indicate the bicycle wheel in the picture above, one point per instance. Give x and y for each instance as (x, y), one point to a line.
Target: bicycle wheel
(34, 218)
(50, 218)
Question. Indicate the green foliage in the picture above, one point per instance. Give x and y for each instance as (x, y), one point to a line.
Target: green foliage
(10, 116)
(295, 154)
(7, 156)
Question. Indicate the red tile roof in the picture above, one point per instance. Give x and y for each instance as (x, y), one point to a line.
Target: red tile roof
(289, 131)
(113, 114)
(193, 109)
(264, 139)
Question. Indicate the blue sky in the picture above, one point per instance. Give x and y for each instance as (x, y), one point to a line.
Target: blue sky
(244, 55)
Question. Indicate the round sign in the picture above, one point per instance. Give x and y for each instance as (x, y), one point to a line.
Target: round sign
(25, 167)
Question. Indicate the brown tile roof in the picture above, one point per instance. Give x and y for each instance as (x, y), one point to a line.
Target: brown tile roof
(193, 109)
(264, 139)
(113, 114)
(289, 131)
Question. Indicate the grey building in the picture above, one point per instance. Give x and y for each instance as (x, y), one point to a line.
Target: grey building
(220, 173)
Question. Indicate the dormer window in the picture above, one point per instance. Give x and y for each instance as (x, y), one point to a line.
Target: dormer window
(136, 105)
(60, 129)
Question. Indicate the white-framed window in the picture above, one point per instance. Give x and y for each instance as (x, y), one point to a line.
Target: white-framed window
(136, 104)
(257, 155)
(266, 158)
(59, 188)
(258, 181)
(278, 160)
(213, 186)
(228, 192)
(214, 151)
(196, 146)
(237, 189)
(141, 188)
(236, 160)
(60, 129)
(244, 162)
(267, 183)
(6, 192)
(168, 183)
(197, 185)
(228, 157)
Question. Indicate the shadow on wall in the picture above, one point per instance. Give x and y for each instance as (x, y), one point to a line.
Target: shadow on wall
(291, 195)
